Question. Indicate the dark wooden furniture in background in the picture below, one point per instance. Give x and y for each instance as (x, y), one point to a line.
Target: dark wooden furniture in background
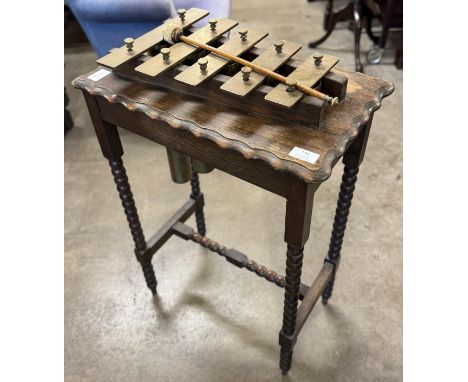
(68, 121)
(253, 148)
(359, 12)
(390, 15)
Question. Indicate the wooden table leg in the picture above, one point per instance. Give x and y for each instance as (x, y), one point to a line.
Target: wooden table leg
(68, 120)
(111, 148)
(352, 160)
(291, 300)
(297, 228)
(199, 215)
(328, 15)
(339, 226)
(331, 19)
(357, 7)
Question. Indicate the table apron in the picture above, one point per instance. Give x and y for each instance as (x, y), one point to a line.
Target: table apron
(230, 161)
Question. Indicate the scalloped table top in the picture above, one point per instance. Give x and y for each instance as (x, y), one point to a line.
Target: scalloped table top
(253, 136)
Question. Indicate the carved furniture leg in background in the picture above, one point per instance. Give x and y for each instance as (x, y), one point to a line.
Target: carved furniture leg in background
(328, 15)
(387, 18)
(111, 148)
(199, 215)
(368, 22)
(297, 228)
(357, 34)
(67, 116)
(352, 159)
(331, 18)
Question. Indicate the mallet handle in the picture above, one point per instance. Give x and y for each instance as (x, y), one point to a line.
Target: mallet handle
(259, 69)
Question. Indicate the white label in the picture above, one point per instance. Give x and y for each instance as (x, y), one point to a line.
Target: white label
(101, 73)
(305, 155)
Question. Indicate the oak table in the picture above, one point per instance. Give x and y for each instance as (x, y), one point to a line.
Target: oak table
(256, 149)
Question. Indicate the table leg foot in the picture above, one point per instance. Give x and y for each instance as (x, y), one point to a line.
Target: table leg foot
(347, 186)
(291, 300)
(150, 277)
(285, 360)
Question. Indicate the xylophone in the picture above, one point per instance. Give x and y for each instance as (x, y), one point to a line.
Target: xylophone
(205, 63)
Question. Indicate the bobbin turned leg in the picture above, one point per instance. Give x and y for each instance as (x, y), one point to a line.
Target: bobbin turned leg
(111, 148)
(352, 159)
(128, 203)
(297, 227)
(291, 299)
(199, 215)
(339, 226)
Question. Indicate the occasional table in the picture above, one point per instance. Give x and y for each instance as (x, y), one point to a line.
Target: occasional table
(288, 159)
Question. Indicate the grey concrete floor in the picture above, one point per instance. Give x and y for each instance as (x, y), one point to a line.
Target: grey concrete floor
(212, 321)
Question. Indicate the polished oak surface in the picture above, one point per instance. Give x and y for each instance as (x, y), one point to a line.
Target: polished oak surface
(254, 137)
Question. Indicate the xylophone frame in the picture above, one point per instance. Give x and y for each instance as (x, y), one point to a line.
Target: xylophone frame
(308, 112)
(141, 61)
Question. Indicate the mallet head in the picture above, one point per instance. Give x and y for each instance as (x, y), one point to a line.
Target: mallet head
(171, 33)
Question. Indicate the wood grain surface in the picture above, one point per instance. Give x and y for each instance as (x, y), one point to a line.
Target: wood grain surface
(263, 139)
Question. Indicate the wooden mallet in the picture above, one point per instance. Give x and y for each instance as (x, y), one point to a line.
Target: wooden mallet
(173, 33)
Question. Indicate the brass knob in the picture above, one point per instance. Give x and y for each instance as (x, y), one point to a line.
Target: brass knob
(181, 13)
(291, 84)
(203, 62)
(318, 58)
(129, 43)
(246, 70)
(243, 34)
(279, 46)
(213, 23)
(166, 54)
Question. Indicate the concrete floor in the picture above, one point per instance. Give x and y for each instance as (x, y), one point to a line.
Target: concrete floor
(212, 321)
